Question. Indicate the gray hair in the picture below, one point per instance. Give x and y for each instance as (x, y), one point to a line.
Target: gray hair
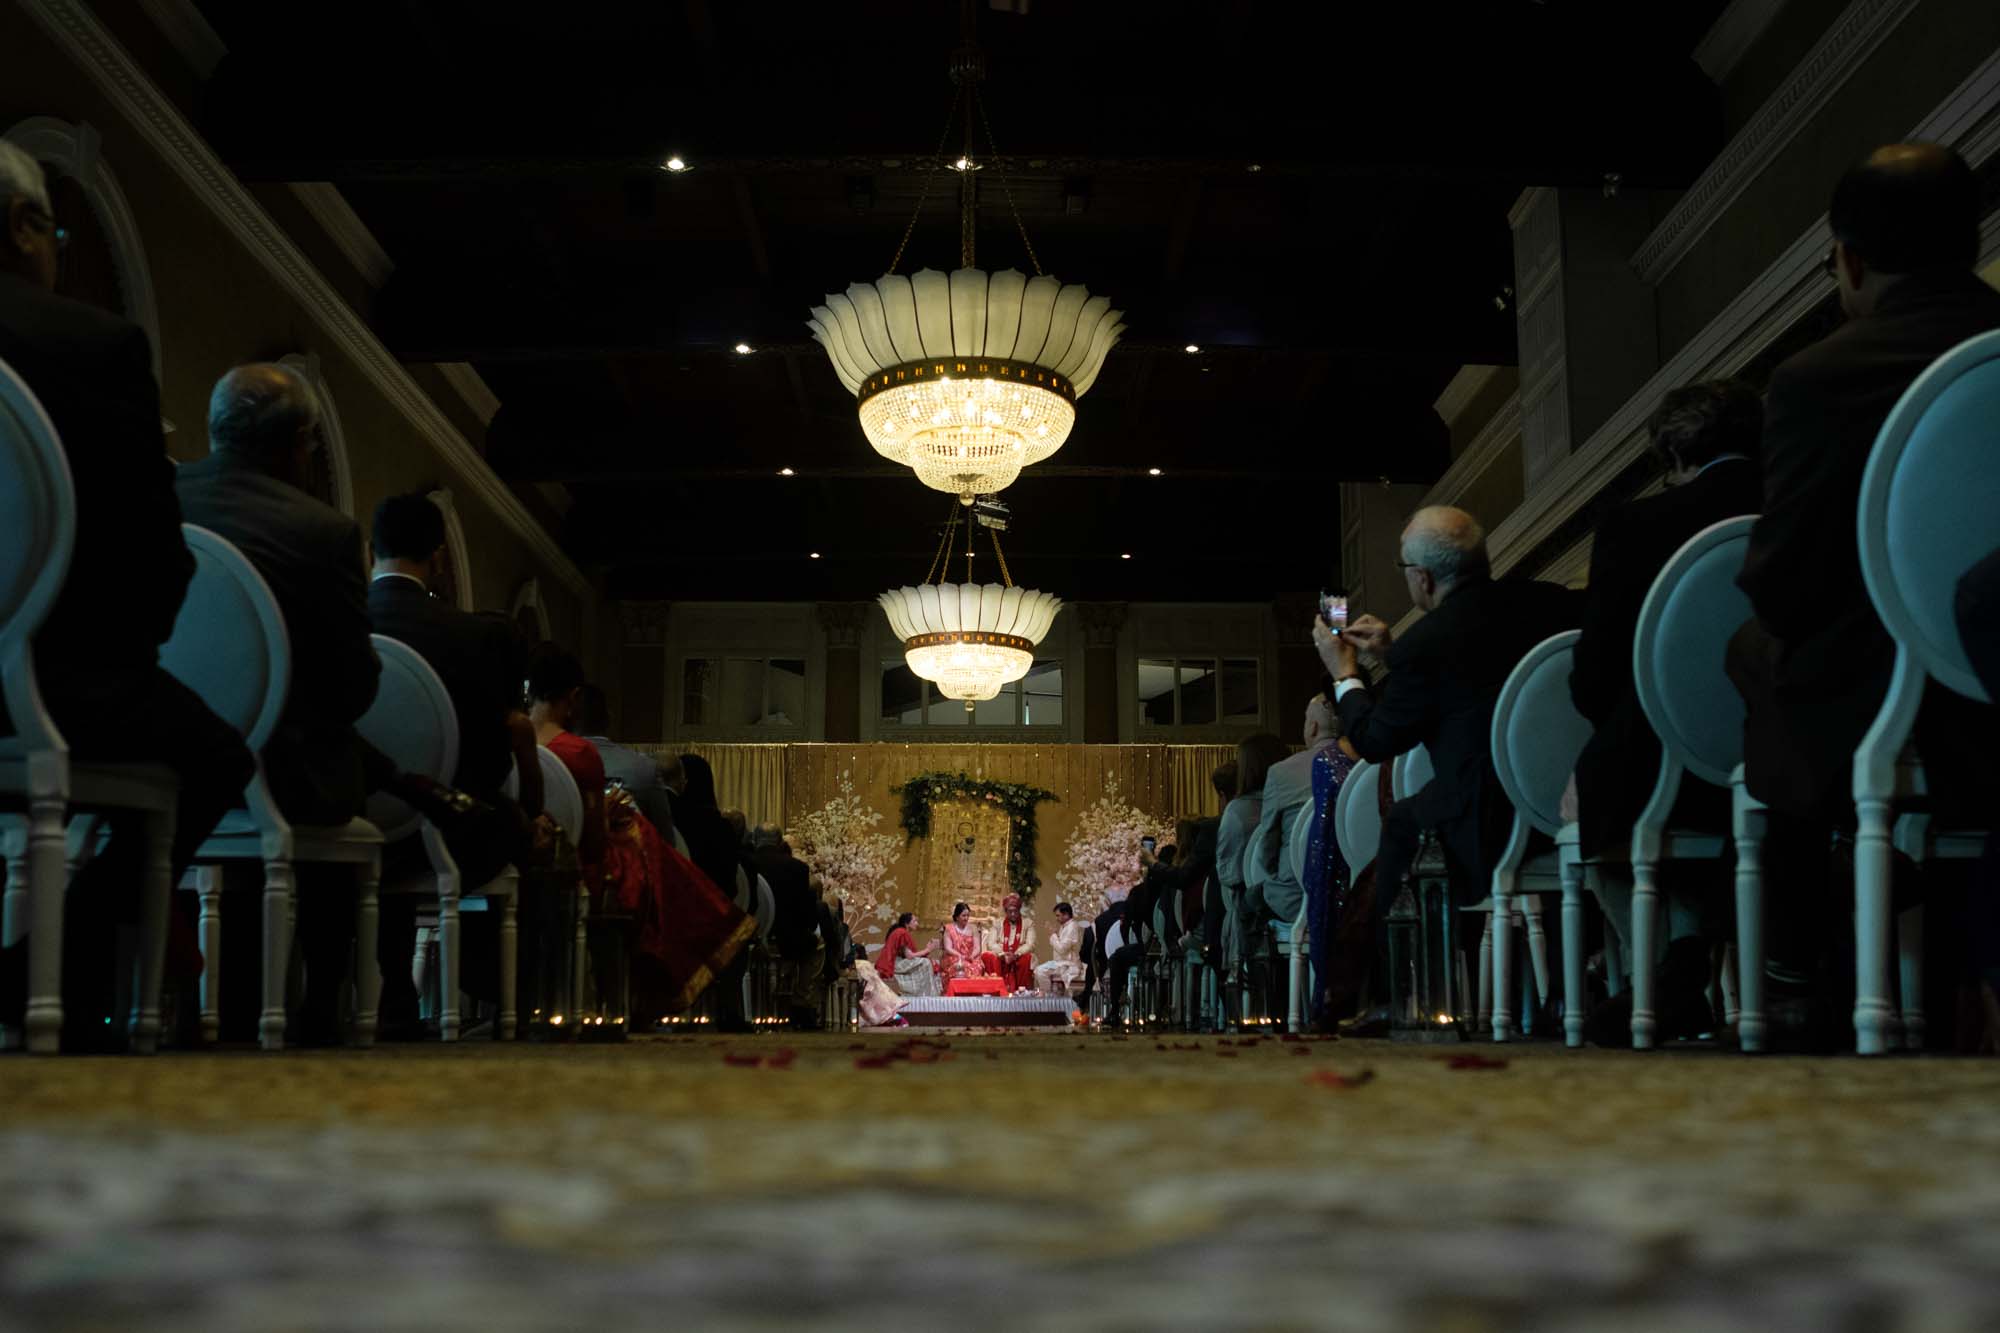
(1446, 541)
(258, 408)
(766, 835)
(21, 175)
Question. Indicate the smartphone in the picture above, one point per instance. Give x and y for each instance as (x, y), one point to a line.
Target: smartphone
(1333, 610)
(1148, 843)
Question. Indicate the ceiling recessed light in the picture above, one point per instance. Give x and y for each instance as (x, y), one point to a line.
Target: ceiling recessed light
(785, 472)
(1126, 555)
(676, 163)
(1152, 472)
(1254, 166)
(742, 349)
(1192, 347)
(812, 555)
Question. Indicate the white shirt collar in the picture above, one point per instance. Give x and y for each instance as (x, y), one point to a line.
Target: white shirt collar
(1721, 458)
(397, 574)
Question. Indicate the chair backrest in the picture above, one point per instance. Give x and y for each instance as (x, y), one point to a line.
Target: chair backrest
(1410, 773)
(413, 723)
(767, 908)
(1357, 815)
(561, 797)
(1685, 625)
(1930, 505)
(1537, 732)
(1296, 837)
(229, 643)
(37, 532)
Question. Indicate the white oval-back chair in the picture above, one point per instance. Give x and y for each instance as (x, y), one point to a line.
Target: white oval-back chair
(1683, 633)
(562, 798)
(230, 646)
(1929, 511)
(37, 775)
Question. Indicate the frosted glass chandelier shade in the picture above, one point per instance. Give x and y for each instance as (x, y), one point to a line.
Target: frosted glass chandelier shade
(969, 378)
(969, 639)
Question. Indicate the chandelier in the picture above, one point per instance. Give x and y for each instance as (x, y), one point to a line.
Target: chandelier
(968, 378)
(967, 639)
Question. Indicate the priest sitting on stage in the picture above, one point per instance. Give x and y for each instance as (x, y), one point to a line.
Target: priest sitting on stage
(1066, 968)
(1011, 956)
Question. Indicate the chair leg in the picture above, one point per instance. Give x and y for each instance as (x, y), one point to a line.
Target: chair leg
(1501, 929)
(580, 959)
(278, 892)
(449, 935)
(1484, 1014)
(1645, 921)
(14, 912)
(48, 856)
(509, 963)
(1910, 956)
(367, 964)
(208, 890)
(1871, 928)
(156, 900)
(1747, 816)
(1538, 946)
(1725, 981)
(1572, 943)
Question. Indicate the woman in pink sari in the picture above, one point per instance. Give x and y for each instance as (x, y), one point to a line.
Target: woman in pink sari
(962, 952)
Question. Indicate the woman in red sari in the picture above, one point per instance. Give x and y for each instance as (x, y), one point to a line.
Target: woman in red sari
(688, 931)
(555, 684)
(963, 956)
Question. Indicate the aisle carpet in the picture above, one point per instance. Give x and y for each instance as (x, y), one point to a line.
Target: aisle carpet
(1017, 1182)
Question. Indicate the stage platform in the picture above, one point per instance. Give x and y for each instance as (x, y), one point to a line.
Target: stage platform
(984, 1011)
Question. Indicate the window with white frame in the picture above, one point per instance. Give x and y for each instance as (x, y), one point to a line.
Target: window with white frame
(1199, 691)
(731, 693)
(908, 700)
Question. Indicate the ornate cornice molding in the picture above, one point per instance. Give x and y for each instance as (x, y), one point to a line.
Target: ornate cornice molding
(167, 132)
(344, 227)
(1502, 429)
(1968, 120)
(1464, 387)
(1732, 36)
(1101, 621)
(843, 622)
(643, 622)
(1842, 50)
(472, 387)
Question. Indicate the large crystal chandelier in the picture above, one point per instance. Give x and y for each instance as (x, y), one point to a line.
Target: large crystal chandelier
(968, 378)
(965, 638)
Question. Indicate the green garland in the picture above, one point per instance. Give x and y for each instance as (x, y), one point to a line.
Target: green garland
(1017, 799)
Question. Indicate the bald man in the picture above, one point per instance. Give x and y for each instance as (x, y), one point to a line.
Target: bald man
(1444, 675)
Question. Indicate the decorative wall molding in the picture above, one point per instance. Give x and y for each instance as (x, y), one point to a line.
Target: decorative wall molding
(1464, 387)
(1969, 120)
(1101, 621)
(1840, 51)
(643, 622)
(308, 365)
(344, 227)
(188, 32)
(1501, 430)
(155, 119)
(843, 622)
(472, 387)
(1732, 36)
(75, 149)
(454, 542)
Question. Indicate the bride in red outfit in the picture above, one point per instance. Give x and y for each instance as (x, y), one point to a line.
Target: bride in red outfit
(963, 956)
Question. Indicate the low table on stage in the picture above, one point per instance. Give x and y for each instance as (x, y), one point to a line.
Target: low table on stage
(976, 986)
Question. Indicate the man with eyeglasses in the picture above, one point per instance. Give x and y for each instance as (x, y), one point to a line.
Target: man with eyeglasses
(97, 654)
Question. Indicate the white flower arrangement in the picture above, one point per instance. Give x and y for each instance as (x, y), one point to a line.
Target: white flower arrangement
(852, 860)
(1101, 858)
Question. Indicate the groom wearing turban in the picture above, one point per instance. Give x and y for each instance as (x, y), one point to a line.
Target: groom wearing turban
(1012, 944)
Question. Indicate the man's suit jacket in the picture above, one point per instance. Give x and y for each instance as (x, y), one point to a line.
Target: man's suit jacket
(1617, 770)
(639, 774)
(129, 570)
(1266, 868)
(791, 890)
(310, 554)
(1444, 676)
(1822, 412)
(472, 655)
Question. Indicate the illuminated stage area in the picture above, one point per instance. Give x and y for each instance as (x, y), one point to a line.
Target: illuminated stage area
(989, 1011)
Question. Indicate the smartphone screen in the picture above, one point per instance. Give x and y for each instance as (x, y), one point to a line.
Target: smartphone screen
(1148, 843)
(1333, 610)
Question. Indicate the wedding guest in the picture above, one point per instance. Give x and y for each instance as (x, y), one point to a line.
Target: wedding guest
(555, 684)
(900, 960)
(637, 773)
(964, 952)
(1011, 956)
(879, 1003)
(797, 932)
(1255, 757)
(1066, 943)
(97, 654)
(1272, 891)
(714, 848)
(1224, 780)
(688, 933)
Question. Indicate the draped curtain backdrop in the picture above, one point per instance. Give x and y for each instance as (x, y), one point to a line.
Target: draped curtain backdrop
(750, 778)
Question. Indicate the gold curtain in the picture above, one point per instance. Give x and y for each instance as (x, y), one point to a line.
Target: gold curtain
(1193, 767)
(750, 778)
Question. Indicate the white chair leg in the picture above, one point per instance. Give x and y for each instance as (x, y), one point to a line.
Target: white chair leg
(156, 899)
(1538, 945)
(1295, 1010)
(208, 891)
(1645, 921)
(1872, 1013)
(509, 960)
(1910, 957)
(48, 856)
(1502, 931)
(278, 893)
(367, 964)
(449, 935)
(1574, 989)
(14, 909)
(1484, 1015)
(582, 955)
(1748, 820)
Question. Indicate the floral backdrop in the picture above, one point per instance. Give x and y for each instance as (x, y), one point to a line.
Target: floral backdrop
(840, 842)
(1101, 858)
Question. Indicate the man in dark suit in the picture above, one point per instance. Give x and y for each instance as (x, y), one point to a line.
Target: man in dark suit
(1444, 676)
(1708, 436)
(97, 654)
(638, 773)
(477, 659)
(1813, 665)
(797, 932)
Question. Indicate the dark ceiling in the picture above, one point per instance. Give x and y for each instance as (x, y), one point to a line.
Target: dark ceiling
(1315, 193)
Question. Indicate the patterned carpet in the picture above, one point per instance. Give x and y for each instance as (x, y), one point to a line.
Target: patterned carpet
(1029, 1181)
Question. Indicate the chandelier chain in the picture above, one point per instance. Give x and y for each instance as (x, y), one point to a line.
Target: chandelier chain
(930, 177)
(1006, 579)
(939, 562)
(999, 164)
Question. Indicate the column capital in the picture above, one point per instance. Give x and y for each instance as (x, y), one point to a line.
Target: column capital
(643, 622)
(1101, 621)
(843, 622)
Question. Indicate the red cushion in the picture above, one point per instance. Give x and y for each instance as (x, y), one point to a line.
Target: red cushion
(976, 986)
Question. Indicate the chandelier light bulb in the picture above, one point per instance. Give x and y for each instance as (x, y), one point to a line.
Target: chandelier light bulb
(742, 349)
(675, 164)
(1192, 348)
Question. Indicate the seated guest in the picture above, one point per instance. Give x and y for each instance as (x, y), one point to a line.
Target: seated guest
(637, 773)
(1275, 895)
(1707, 436)
(714, 848)
(474, 658)
(97, 653)
(1065, 967)
(1011, 947)
(555, 684)
(964, 951)
(1977, 611)
(901, 961)
(1813, 665)
(879, 1001)
(687, 932)
(1444, 677)
(796, 932)
(1255, 756)
(1209, 918)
